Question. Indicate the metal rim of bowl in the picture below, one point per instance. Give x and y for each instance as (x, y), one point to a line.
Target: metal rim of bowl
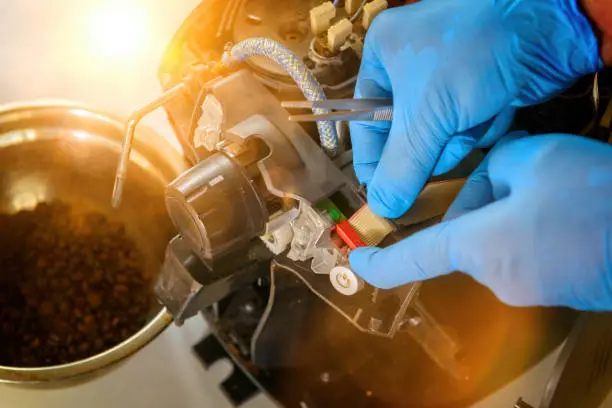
(151, 145)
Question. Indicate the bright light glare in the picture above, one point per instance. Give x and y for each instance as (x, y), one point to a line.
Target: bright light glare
(118, 29)
(80, 135)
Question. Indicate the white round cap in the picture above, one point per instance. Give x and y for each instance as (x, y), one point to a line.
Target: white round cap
(344, 280)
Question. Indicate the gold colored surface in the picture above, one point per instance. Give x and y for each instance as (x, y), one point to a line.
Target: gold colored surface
(59, 151)
(371, 228)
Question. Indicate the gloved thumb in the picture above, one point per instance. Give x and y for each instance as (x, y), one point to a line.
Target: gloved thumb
(458, 243)
(461, 244)
(421, 256)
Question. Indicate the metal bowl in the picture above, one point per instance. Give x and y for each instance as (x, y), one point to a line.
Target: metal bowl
(65, 152)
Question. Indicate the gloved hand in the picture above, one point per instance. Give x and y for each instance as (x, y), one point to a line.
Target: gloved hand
(456, 69)
(533, 223)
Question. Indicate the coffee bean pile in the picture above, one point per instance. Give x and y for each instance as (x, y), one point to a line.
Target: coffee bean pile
(71, 285)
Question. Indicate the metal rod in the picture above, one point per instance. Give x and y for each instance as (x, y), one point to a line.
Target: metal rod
(128, 138)
(351, 104)
(365, 115)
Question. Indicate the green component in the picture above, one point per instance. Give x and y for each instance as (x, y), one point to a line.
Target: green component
(328, 206)
(336, 215)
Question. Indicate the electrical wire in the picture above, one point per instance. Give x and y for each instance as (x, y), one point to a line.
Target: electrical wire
(358, 12)
(303, 77)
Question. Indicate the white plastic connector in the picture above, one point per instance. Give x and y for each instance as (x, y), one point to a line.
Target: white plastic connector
(344, 280)
(278, 240)
(321, 16)
(351, 6)
(311, 231)
(338, 33)
(371, 10)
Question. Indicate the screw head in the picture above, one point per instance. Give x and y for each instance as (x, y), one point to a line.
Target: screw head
(248, 307)
(415, 321)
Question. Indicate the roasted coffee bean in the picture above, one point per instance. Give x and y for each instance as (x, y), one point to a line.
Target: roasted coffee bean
(71, 286)
(46, 308)
(94, 300)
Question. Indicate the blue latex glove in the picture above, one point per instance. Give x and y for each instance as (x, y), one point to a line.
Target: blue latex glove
(456, 69)
(533, 223)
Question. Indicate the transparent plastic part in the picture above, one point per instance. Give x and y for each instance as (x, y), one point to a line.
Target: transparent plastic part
(311, 231)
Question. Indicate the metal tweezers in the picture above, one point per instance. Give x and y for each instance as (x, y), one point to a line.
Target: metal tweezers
(372, 109)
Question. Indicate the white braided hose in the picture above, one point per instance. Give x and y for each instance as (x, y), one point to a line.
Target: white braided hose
(310, 87)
